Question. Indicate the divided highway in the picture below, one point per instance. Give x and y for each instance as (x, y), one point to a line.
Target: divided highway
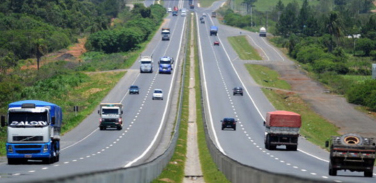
(222, 71)
(87, 149)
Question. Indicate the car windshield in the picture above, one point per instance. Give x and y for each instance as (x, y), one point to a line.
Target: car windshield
(157, 91)
(228, 120)
(134, 87)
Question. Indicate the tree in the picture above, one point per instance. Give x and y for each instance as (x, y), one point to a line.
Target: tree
(40, 49)
(333, 26)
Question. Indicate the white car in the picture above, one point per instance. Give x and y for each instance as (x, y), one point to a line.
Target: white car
(157, 94)
(169, 10)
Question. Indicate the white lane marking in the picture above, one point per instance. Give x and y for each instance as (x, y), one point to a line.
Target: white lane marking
(313, 156)
(259, 47)
(274, 49)
(44, 168)
(79, 140)
(165, 110)
(206, 90)
(31, 171)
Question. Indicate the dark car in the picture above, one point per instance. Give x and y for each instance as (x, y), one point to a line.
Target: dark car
(238, 90)
(175, 13)
(216, 43)
(228, 123)
(134, 89)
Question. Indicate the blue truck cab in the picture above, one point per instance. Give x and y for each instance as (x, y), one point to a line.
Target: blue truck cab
(33, 131)
(166, 64)
(213, 30)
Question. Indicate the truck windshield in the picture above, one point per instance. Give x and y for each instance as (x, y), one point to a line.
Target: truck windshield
(28, 119)
(165, 62)
(145, 62)
(110, 111)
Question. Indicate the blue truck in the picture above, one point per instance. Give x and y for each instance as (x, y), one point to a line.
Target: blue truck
(166, 64)
(33, 128)
(213, 30)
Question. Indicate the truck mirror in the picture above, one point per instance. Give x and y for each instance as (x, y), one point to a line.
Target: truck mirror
(121, 111)
(2, 121)
(98, 112)
(53, 120)
(327, 143)
(264, 123)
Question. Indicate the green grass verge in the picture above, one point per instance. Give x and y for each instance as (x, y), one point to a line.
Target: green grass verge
(206, 3)
(244, 50)
(267, 77)
(209, 168)
(268, 5)
(314, 127)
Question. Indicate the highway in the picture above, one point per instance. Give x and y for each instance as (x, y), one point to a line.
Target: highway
(146, 121)
(221, 71)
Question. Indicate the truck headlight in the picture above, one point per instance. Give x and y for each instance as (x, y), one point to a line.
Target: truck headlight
(10, 149)
(45, 148)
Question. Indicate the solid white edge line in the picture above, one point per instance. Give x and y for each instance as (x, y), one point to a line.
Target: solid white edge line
(165, 111)
(206, 89)
(259, 47)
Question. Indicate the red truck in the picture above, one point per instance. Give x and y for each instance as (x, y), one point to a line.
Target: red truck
(282, 128)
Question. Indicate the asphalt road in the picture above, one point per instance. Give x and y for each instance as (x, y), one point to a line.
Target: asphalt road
(86, 149)
(222, 70)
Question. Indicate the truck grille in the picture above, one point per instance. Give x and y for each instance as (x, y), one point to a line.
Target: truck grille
(27, 146)
(27, 138)
(27, 151)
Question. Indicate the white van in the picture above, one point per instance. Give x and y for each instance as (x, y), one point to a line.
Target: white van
(183, 12)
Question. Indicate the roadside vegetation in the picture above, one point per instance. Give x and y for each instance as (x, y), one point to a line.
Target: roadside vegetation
(63, 78)
(243, 48)
(333, 40)
(206, 3)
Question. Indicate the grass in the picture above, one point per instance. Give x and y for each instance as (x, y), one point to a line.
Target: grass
(206, 3)
(357, 78)
(268, 5)
(244, 50)
(267, 77)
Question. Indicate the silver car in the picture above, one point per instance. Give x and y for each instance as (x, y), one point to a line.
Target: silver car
(157, 94)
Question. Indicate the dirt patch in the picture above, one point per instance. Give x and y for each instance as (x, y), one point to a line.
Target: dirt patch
(332, 107)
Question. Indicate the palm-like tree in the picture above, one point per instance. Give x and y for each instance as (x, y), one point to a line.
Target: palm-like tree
(41, 49)
(334, 26)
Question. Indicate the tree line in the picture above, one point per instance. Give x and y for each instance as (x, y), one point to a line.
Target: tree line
(331, 39)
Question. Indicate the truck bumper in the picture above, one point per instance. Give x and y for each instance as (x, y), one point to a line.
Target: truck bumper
(29, 151)
(352, 164)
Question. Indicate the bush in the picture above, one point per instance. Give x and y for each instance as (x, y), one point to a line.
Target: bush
(359, 93)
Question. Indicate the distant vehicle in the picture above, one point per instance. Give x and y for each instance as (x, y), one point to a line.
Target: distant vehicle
(176, 8)
(110, 116)
(202, 20)
(166, 64)
(146, 64)
(262, 32)
(228, 123)
(351, 152)
(157, 94)
(134, 89)
(282, 128)
(237, 90)
(214, 14)
(165, 34)
(183, 12)
(192, 6)
(204, 15)
(175, 13)
(216, 43)
(169, 9)
(213, 30)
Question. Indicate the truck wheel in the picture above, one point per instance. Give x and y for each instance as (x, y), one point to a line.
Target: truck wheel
(223, 128)
(368, 173)
(332, 171)
(267, 142)
(119, 128)
(351, 138)
(12, 161)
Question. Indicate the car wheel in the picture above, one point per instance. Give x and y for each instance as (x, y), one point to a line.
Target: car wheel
(234, 128)
(152, 98)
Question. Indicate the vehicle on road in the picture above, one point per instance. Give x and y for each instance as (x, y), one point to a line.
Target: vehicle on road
(216, 43)
(169, 10)
(165, 34)
(175, 13)
(351, 152)
(157, 94)
(202, 20)
(183, 12)
(146, 64)
(33, 131)
(237, 91)
(176, 8)
(134, 89)
(110, 116)
(282, 128)
(262, 32)
(204, 15)
(214, 14)
(166, 64)
(228, 123)
(213, 30)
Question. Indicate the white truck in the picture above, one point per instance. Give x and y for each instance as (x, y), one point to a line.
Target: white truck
(262, 32)
(165, 34)
(110, 116)
(146, 64)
